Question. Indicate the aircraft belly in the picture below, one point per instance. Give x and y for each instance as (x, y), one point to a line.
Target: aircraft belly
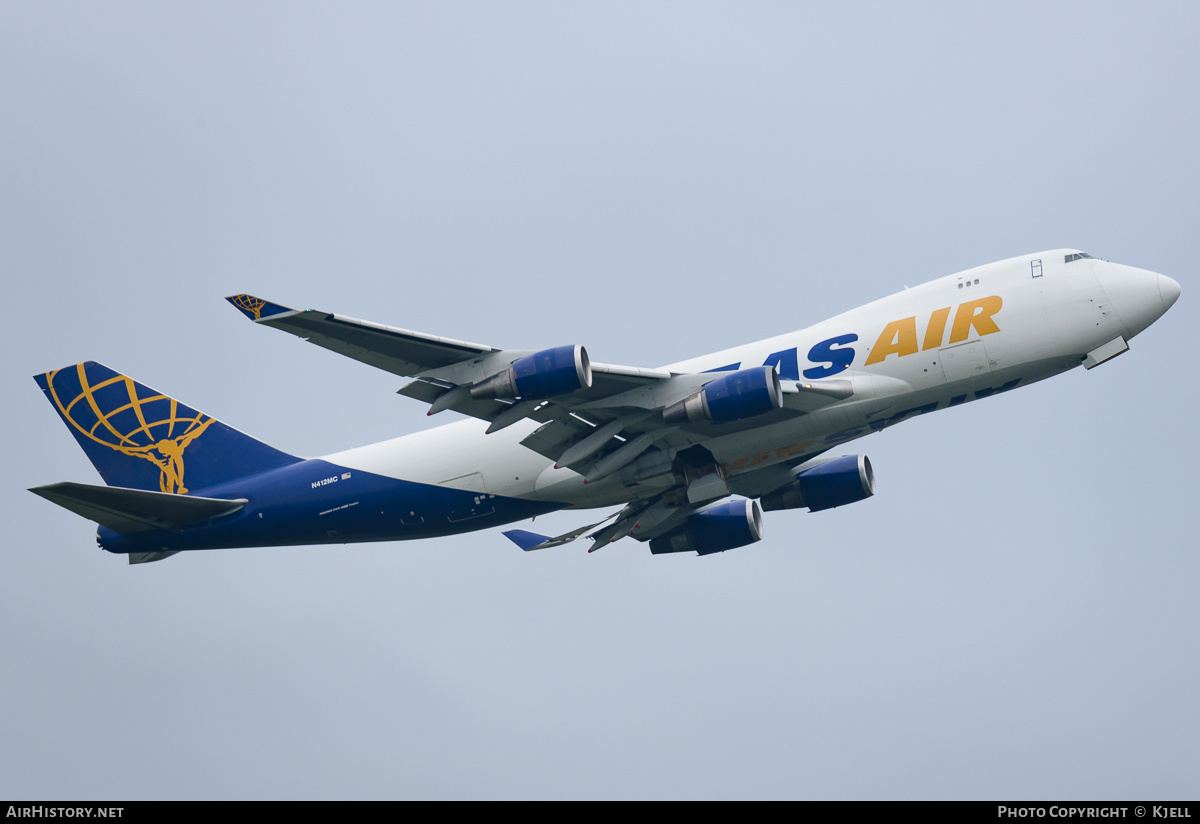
(317, 502)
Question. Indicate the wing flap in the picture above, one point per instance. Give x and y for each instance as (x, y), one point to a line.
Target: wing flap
(424, 391)
(551, 440)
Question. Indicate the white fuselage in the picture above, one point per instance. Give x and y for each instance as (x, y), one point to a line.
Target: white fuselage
(952, 340)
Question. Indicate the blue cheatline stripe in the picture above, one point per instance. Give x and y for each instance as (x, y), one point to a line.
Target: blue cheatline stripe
(316, 502)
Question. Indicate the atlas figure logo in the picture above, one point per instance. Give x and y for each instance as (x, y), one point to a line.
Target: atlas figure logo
(107, 410)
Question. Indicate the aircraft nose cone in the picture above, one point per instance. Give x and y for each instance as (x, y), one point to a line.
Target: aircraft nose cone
(1168, 290)
(1139, 296)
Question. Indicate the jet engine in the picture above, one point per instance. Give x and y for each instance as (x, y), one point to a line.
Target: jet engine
(544, 374)
(833, 483)
(734, 397)
(716, 529)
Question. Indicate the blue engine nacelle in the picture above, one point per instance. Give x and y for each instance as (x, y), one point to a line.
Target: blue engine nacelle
(544, 374)
(740, 395)
(716, 529)
(837, 482)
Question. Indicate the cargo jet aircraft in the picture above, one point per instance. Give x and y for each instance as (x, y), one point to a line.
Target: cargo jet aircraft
(551, 429)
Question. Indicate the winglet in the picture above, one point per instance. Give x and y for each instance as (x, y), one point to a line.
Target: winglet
(525, 539)
(256, 308)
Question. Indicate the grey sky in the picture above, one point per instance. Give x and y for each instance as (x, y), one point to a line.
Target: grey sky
(1013, 615)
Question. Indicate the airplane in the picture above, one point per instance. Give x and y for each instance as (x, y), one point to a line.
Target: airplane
(692, 452)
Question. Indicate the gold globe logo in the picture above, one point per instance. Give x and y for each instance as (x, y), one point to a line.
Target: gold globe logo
(161, 440)
(249, 303)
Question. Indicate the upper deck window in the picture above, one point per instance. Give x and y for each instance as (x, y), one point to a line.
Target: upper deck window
(1077, 256)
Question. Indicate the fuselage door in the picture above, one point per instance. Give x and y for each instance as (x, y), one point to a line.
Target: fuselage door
(964, 361)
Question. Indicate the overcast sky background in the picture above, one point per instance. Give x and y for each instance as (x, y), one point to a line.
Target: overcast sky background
(1014, 615)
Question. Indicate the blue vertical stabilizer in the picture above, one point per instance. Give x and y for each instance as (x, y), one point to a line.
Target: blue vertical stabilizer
(142, 439)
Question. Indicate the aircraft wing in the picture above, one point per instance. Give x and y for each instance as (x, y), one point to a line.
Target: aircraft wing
(399, 351)
(445, 368)
(136, 510)
(408, 353)
(596, 426)
(643, 519)
(616, 526)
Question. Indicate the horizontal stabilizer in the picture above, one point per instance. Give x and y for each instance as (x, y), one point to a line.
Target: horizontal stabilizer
(151, 557)
(136, 510)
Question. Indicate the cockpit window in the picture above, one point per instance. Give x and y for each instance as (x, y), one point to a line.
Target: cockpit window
(1077, 256)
